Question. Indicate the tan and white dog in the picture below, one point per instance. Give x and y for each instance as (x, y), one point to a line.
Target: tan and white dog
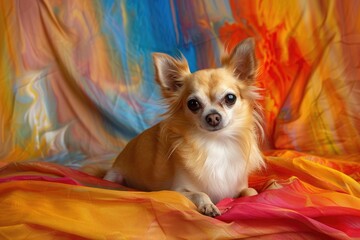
(207, 144)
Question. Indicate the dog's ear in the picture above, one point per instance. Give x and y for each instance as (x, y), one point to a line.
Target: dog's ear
(242, 61)
(170, 72)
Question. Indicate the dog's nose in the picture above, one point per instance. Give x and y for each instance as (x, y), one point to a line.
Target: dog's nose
(213, 119)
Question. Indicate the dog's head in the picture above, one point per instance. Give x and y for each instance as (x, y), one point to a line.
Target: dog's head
(210, 99)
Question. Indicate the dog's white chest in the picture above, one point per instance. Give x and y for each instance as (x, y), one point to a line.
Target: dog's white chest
(224, 172)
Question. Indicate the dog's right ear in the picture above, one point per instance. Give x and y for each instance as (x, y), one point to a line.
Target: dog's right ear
(170, 73)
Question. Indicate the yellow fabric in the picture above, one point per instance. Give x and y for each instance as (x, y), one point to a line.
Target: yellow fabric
(41, 210)
(76, 83)
(301, 196)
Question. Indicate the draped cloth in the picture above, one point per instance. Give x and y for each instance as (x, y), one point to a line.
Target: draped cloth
(76, 84)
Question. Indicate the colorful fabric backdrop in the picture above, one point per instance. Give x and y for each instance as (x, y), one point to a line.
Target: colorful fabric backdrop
(76, 83)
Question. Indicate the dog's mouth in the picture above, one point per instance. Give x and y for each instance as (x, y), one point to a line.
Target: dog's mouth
(208, 128)
(213, 129)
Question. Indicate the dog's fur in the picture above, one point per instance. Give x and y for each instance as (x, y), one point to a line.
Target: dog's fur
(205, 153)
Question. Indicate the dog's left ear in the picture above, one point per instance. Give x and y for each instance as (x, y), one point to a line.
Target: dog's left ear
(242, 61)
(170, 73)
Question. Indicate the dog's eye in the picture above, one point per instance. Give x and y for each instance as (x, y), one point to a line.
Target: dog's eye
(230, 99)
(193, 105)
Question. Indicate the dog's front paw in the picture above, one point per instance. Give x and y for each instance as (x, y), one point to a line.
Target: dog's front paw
(209, 209)
(203, 203)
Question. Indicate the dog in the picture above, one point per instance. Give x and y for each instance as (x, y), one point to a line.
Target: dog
(207, 143)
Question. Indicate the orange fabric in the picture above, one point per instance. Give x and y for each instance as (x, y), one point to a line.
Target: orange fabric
(301, 196)
(77, 78)
(76, 83)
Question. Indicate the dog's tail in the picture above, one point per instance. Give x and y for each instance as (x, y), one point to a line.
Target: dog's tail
(106, 173)
(114, 175)
(95, 170)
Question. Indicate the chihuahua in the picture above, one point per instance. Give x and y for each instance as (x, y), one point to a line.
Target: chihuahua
(207, 144)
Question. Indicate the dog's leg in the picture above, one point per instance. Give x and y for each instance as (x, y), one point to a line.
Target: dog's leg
(248, 192)
(202, 202)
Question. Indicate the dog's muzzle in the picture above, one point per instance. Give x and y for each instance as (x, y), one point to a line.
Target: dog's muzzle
(213, 119)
